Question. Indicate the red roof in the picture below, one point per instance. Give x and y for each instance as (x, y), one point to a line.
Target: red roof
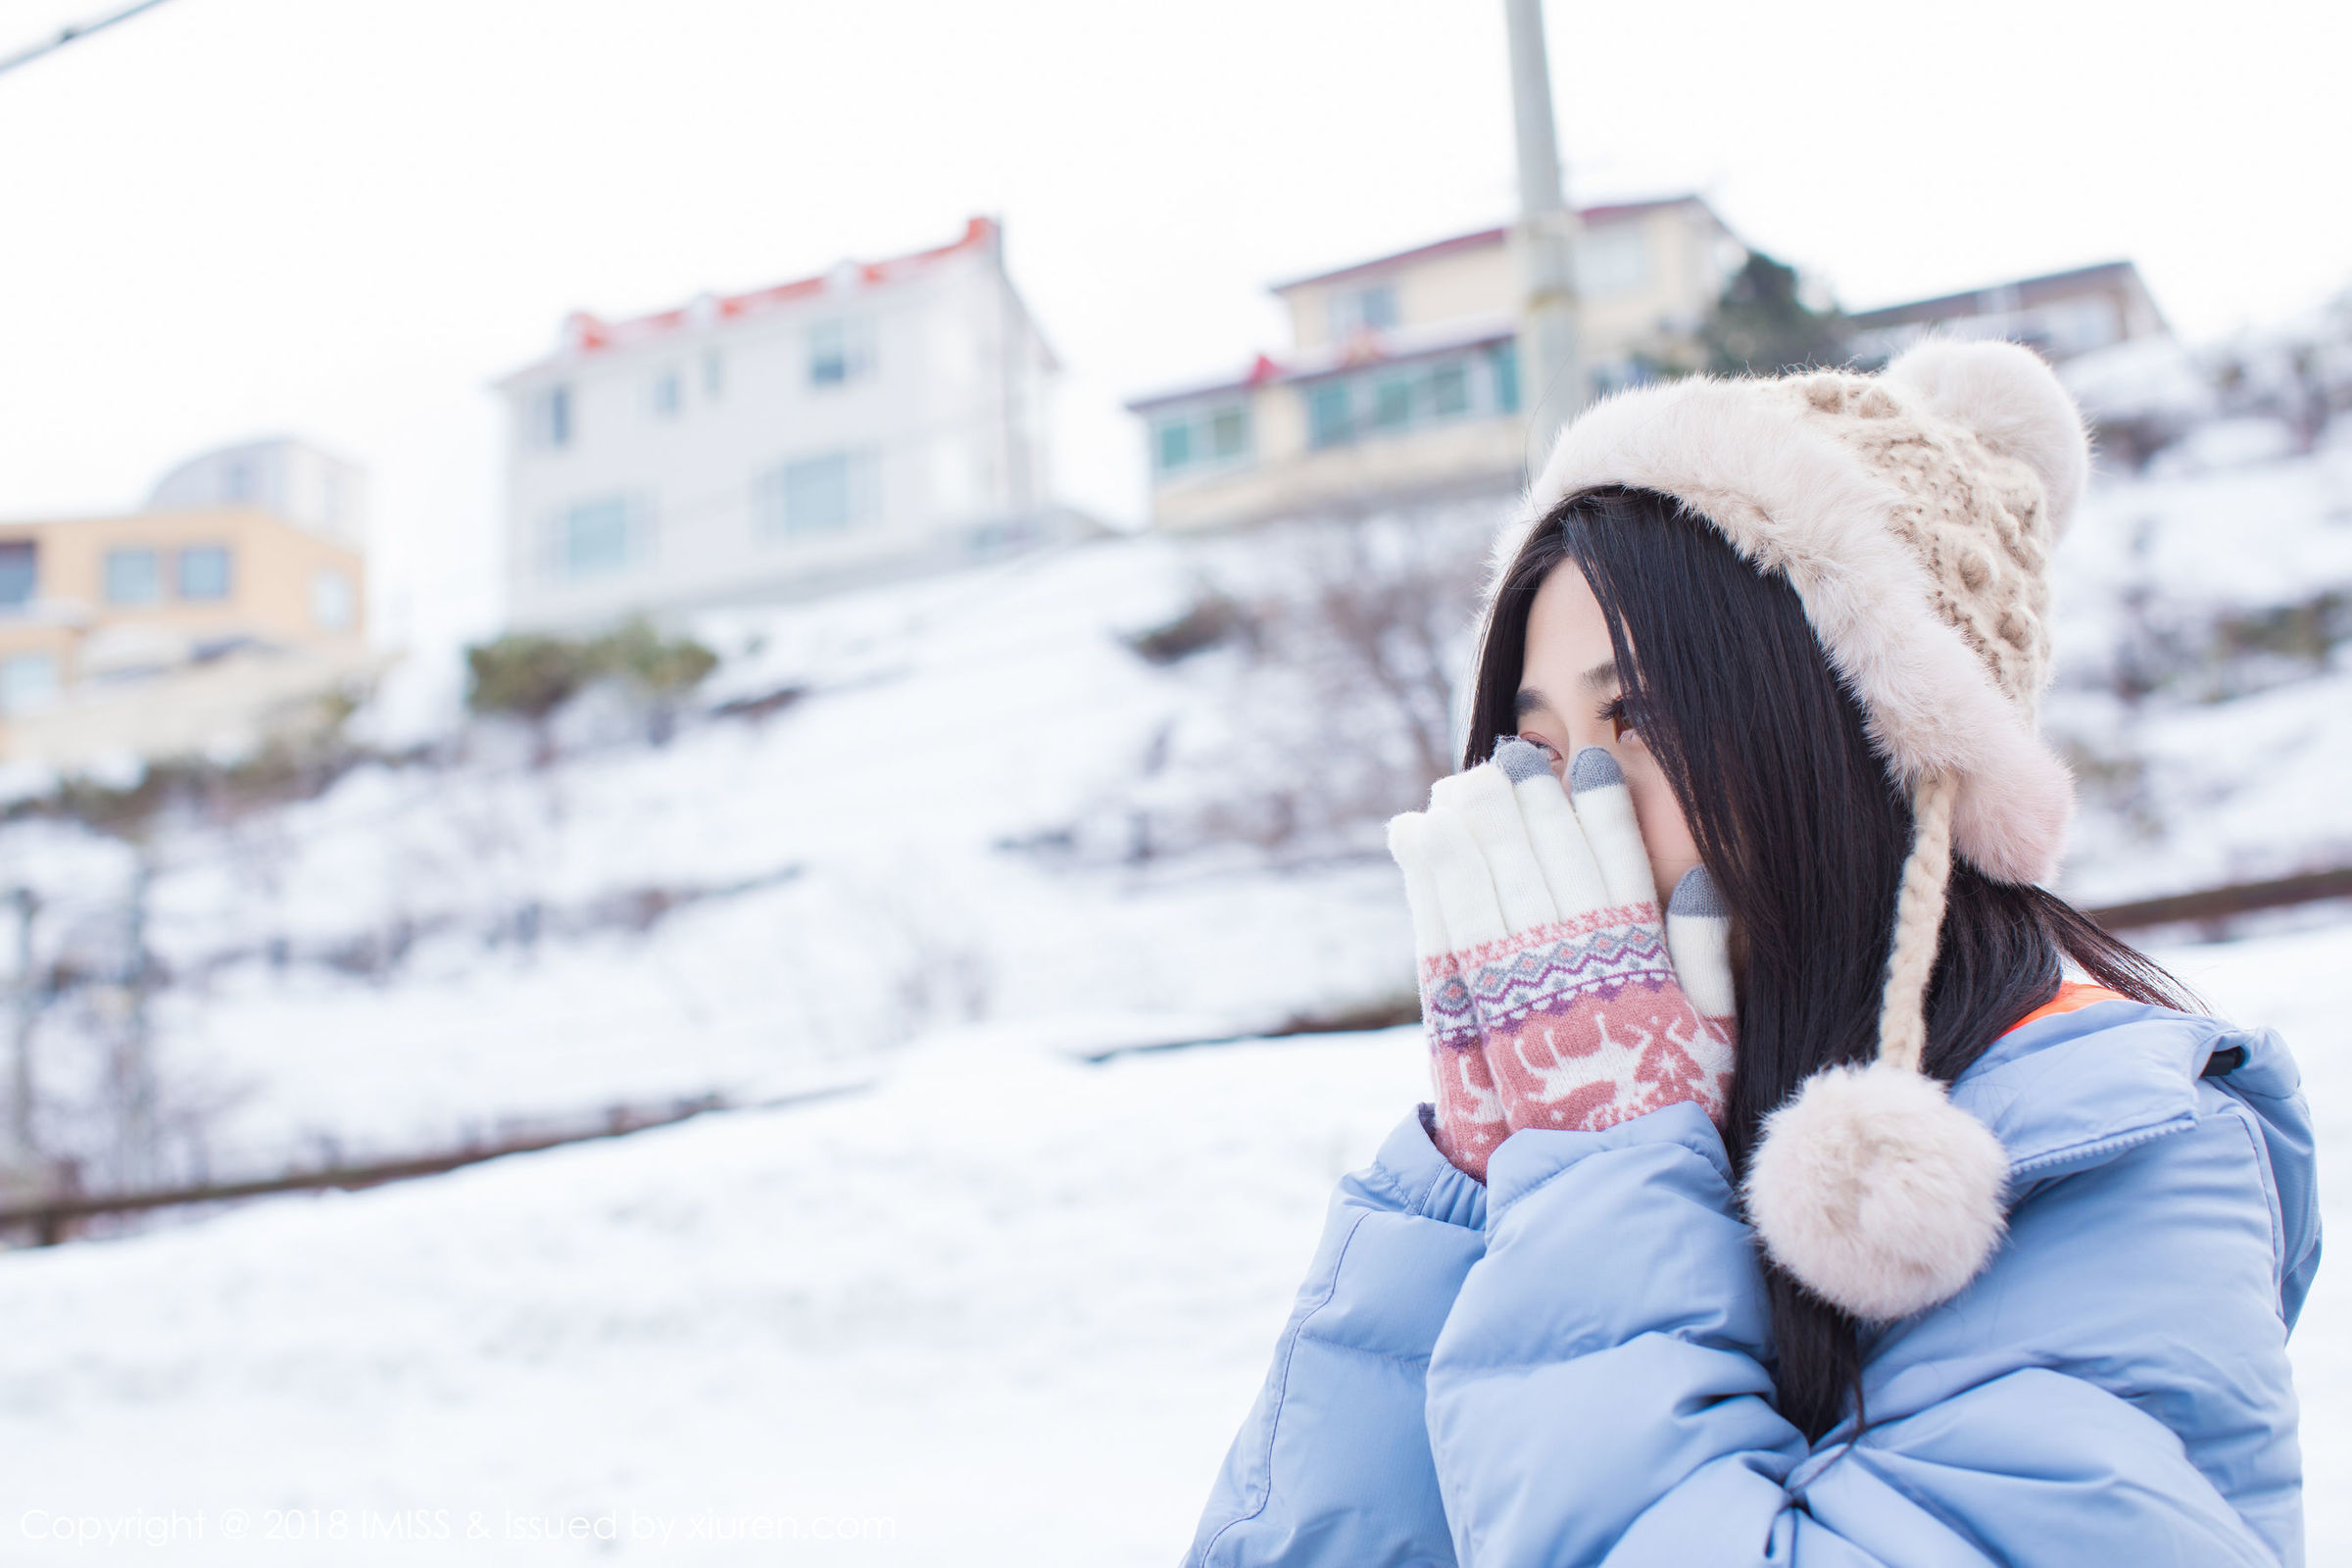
(588, 333)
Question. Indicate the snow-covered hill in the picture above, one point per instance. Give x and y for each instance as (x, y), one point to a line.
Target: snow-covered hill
(1006, 1307)
(2203, 614)
(930, 804)
(412, 955)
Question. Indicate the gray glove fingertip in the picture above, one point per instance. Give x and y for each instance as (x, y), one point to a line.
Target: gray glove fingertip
(1594, 769)
(1519, 760)
(1605, 804)
(1698, 933)
(1697, 897)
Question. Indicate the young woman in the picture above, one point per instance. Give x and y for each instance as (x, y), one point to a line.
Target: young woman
(1824, 1218)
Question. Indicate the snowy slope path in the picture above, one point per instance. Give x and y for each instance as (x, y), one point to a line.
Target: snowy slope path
(1008, 1308)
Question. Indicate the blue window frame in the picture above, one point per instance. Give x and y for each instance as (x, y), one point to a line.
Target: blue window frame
(19, 572)
(1404, 397)
(1327, 422)
(816, 495)
(28, 682)
(551, 418)
(595, 538)
(331, 599)
(1503, 359)
(1372, 308)
(1229, 432)
(840, 351)
(1175, 443)
(1196, 435)
(1449, 390)
(134, 577)
(204, 571)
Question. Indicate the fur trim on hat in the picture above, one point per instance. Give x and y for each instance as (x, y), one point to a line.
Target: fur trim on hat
(1794, 498)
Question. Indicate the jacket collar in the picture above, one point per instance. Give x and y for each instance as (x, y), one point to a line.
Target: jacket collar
(2076, 1087)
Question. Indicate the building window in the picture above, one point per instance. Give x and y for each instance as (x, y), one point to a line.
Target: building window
(28, 682)
(817, 495)
(1391, 401)
(667, 395)
(840, 351)
(1449, 390)
(595, 538)
(134, 577)
(1503, 359)
(1175, 443)
(20, 572)
(549, 418)
(330, 600)
(1612, 261)
(1365, 309)
(715, 373)
(204, 571)
(236, 480)
(1327, 422)
(1229, 432)
(1198, 436)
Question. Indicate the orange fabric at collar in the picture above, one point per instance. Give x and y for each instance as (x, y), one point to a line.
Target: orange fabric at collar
(2072, 996)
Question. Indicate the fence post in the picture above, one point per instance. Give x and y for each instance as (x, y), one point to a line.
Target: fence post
(136, 1063)
(28, 1010)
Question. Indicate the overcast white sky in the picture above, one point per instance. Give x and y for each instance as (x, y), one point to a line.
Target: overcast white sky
(342, 217)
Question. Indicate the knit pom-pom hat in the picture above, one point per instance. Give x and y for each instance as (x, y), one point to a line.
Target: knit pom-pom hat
(1914, 513)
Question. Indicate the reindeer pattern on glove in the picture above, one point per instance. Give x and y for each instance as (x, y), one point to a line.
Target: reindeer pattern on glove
(1554, 994)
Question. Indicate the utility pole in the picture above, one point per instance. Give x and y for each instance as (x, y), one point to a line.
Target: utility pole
(1552, 373)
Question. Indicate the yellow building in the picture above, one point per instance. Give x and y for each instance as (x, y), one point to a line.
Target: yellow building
(1402, 382)
(167, 631)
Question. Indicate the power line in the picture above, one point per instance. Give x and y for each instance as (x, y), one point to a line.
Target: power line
(70, 31)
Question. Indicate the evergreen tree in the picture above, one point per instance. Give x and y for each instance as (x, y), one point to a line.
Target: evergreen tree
(1761, 326)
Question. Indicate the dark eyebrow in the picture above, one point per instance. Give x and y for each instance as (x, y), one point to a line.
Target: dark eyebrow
(1600, 676)
(1528, 701)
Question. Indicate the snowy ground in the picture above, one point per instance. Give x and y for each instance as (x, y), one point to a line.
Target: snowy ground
(1006, 1307)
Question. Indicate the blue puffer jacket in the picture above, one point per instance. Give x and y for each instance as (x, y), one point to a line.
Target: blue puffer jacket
(1572, 1364)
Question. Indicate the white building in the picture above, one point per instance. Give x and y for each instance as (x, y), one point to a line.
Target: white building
(883, 418)
(287, 478)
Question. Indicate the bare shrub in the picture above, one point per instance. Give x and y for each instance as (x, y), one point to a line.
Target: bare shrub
(1338, 647)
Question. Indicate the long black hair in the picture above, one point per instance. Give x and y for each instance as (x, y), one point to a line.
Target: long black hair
(1795, 816)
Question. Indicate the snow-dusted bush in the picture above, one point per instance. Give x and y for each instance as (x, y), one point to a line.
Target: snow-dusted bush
(1327, 654)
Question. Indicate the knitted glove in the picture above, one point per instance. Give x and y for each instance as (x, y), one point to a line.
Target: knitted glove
(1550, 986)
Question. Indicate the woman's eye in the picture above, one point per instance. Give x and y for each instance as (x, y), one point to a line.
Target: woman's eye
(1613, 716)
(1550, 752)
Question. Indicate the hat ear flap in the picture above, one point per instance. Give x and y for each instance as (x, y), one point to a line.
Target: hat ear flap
(2015, 405)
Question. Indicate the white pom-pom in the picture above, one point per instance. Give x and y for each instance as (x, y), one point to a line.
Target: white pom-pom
(2014, 403)
(1877, 1192)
